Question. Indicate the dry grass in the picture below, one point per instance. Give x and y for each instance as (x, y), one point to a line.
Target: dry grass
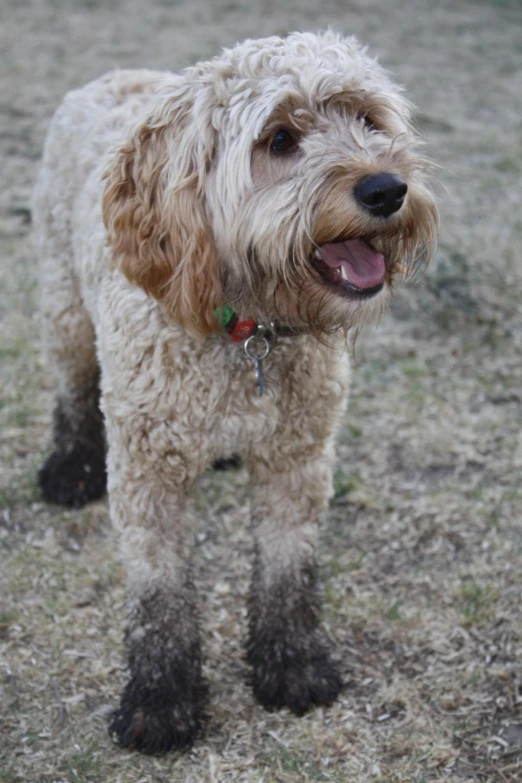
(422, 548)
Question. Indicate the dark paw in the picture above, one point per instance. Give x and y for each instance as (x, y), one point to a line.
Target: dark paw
(73, 478)
(156, 721)
(154, 730)
(284, 675)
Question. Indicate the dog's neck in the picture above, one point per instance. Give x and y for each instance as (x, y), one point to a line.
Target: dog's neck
(241, 329)
(257, 338)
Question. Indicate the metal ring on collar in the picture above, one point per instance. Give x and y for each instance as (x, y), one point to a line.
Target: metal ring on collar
(257, 357)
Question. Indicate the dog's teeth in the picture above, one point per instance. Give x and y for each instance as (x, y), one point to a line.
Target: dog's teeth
(317, 254)
(343, 273)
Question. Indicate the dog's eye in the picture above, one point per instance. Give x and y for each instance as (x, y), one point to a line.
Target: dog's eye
(366, 121)
(283, 141)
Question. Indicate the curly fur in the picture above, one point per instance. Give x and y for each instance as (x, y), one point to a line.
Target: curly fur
(159, 200)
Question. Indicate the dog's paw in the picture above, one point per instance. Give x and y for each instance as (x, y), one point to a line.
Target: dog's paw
(155, 721)
(297, 677)
(154, 730)
(73, 478)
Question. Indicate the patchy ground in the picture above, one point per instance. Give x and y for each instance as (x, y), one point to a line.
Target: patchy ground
(422, 548)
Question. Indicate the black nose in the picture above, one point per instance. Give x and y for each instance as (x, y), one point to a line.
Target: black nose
(381, 194)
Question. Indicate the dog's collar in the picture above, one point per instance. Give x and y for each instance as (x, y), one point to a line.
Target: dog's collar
(241, 329)
(256, 338)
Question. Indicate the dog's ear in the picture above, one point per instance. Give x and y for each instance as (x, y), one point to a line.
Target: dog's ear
(154, 209)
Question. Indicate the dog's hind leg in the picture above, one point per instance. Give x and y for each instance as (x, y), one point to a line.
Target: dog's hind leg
(292, 477)
(75, 471)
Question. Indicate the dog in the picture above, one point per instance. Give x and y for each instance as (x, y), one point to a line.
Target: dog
(208, 239)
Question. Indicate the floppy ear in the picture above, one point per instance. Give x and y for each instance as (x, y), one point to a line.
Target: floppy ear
(154, 209)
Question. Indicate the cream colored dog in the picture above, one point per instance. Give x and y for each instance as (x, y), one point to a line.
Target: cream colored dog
(207, 239)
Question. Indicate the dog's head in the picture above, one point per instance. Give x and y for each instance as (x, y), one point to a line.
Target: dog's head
(282, 178)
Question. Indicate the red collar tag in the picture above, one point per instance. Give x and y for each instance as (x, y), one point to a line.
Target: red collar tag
(243, 330)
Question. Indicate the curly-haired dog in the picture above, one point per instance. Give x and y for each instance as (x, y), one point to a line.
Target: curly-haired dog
(272, 192)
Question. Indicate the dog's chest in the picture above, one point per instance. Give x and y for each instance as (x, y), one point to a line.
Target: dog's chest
(204, 391)
(303, 383)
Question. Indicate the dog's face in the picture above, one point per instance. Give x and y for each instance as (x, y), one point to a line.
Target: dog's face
(282, 179)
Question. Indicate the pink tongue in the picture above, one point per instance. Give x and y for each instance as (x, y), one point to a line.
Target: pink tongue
(363, 266)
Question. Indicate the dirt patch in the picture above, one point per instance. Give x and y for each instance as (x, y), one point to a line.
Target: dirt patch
(422, 548)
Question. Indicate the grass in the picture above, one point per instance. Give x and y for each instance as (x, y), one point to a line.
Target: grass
(86, 764)
(22, 490)
(478, 601)
(343, 484)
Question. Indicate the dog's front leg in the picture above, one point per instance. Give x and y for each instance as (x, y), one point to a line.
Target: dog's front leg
(290, 664)
(162, 704)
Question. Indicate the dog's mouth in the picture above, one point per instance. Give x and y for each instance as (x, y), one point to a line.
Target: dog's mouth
(352, 266)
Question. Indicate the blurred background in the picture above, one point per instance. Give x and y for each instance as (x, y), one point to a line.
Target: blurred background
(422, 548)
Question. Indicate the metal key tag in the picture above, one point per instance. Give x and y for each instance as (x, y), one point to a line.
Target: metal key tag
(257, 354)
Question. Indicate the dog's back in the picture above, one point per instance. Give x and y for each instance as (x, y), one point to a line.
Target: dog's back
(89, 123)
